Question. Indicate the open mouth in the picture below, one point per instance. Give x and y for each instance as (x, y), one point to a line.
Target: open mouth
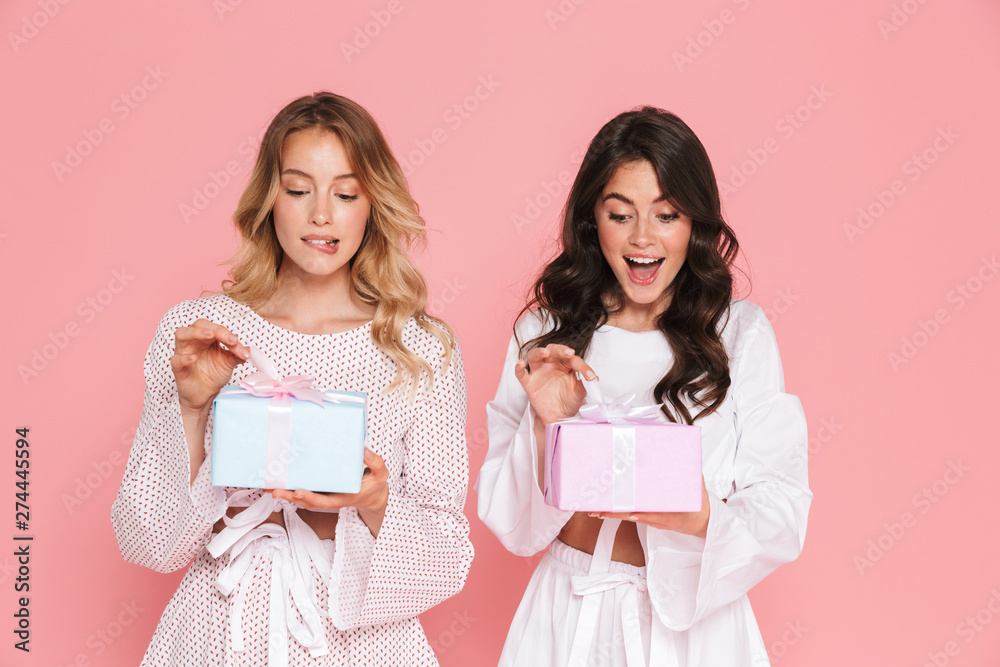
(642, 269)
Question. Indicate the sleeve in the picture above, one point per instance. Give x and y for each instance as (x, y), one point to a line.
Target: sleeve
(423, 552)
(762, 523)
(161, 520)
(510, 500)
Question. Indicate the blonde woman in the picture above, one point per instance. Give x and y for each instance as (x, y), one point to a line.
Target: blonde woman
(323, 286)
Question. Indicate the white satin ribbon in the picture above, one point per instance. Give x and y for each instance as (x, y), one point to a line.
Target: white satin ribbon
(293, 551)
(623, 416)
(599, 580)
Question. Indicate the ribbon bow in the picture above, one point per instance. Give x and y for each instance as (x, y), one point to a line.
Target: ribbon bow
(266, 382)
(600, 410)
(293, 551)
(599, 579)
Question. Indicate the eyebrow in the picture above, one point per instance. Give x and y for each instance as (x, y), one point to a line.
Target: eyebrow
(623, 198)
(298, 172)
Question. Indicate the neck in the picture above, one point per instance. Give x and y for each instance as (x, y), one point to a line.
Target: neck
(639, 317)
(315, 304)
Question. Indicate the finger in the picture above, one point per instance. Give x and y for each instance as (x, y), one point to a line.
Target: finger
(624, 516)
(192, 340)
(373, 460)
(179, 362)
(376, 472)
(223, 335)
(313, 500)
(535, 357)
(569, 361)
(578, 365)
(521, 371)
(202, 334)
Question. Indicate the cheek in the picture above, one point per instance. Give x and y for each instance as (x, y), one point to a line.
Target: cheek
(678, 240)
(608, 240)
(283, 213)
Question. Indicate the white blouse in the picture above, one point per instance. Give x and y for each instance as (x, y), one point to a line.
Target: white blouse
(754, 459)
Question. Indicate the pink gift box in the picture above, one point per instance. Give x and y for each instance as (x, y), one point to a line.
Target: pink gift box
(602, 467)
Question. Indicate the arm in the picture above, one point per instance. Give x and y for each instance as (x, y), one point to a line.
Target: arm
(762, 523)
(422, 552)
(164, 511)
(510, 495)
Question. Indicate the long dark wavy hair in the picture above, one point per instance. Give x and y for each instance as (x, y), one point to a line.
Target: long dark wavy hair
(578, 290)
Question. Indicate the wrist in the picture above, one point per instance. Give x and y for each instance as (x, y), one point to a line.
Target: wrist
(373, 513)
(189, 411)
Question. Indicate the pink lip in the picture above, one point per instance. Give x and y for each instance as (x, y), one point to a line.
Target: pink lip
(321, 247)
(639, 281)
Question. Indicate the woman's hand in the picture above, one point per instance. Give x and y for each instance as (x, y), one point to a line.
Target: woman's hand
(370, 500)
(689, 523)
(549, 379)
(201, 365)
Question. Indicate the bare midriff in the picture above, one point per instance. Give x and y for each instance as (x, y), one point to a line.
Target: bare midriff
(581, 532)
(324, 524)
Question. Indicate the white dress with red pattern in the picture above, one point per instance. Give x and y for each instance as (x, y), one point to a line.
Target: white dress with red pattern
(368, 591)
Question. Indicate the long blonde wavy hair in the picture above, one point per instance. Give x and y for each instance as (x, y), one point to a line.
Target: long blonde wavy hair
(382, 274)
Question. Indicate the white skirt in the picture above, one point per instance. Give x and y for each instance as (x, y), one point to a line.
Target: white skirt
(548, 620)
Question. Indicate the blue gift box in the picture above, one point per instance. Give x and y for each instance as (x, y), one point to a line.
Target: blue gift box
(268, 442)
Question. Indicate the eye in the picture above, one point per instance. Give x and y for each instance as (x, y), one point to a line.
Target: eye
(348, 197)
(295, 193)
(614, 217)
(667, 217)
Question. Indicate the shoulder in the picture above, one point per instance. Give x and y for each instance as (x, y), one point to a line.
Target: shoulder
(743, 322)
(218, 308)
(532, 325)
(749, 337)
(424, 342)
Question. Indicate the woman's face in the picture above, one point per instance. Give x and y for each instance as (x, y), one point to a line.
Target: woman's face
(643, 238)
(321, 209)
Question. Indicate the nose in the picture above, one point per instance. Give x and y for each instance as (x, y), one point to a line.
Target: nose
(322, 212)
(641, 234)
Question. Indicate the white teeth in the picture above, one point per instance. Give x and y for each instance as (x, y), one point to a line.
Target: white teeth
(642, 260)
(319, 242)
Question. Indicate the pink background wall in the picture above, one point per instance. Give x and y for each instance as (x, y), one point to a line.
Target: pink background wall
(810, 113)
